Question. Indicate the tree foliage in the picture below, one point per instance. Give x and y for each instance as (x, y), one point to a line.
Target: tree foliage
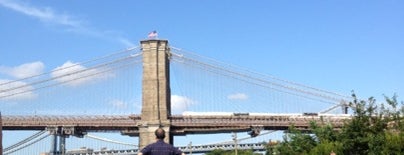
(375, 129)
(231, 152)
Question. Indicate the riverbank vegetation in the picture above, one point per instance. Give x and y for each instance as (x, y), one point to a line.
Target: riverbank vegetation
(375, 129)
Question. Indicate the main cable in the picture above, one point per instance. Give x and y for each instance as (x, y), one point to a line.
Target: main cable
(77, 64)
(265, 75)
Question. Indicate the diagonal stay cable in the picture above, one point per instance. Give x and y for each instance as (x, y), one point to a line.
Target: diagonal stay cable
(24, 141)
(65, 75)
(259, 79)
(269, 76)
(273, 88)
(63, 82)
(26, 145)
(85, 62)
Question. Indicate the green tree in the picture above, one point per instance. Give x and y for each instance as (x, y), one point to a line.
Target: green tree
(231, 152)
(394, 134)
(271, 147)
(374, 129)
(325, 148)
(325, 133)
(218, 152)
(326, 138)
(296, 142)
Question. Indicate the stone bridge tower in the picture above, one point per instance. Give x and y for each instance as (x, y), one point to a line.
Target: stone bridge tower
(156, 95)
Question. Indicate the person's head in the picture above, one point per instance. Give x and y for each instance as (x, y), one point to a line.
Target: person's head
(160, 133)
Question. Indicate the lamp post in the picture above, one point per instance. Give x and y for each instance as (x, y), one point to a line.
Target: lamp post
(190, 147)
(235, 142)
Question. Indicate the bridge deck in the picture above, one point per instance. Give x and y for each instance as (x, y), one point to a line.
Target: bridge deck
(179, 124)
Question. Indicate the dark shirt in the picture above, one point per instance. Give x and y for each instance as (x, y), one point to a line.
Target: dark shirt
(160, 148)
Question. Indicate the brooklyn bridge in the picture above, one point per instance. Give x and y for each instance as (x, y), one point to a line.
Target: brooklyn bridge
(136, 90)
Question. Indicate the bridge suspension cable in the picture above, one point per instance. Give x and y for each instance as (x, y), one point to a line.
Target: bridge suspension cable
(25, 143)
(264, 82)
(77, 64)
(264, 75)
(81, 74)
(24, 140)
(246, 76)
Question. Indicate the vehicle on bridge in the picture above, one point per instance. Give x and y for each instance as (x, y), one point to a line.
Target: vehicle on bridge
(305, 114)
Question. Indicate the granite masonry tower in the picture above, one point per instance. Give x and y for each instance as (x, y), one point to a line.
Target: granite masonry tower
(156, 95)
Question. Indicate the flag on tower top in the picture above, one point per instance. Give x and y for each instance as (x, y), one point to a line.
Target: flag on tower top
(152, 35)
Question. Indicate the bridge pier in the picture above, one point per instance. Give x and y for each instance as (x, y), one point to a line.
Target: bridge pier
(53, 131)
(62, 144)
(156, 96)
(58, 147)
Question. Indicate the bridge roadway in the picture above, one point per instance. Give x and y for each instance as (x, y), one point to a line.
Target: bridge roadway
(180, 124)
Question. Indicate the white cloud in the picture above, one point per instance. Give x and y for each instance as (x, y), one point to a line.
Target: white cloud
(44, 14)
(15, 90)
(74, 74)
(48, 15)
(118, 104)
(237, 96)
(126, 42)
(180, 104)
(24, 70)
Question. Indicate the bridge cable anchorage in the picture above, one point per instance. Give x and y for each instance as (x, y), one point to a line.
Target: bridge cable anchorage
(264, 81)
(265, 75)
(77, 64)
(66, 75)
(109, 140)
(22, 142)
(26, 145)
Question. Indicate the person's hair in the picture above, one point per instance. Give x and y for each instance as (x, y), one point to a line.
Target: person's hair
(160, 133)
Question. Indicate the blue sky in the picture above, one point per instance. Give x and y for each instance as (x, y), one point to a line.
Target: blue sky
(333, 45)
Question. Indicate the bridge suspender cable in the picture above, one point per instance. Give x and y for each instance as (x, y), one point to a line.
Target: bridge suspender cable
(69, 74)
(65, 75)
(26, 145)
(263, 81)
(270, 76)
(85, 62)
(26, 140)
